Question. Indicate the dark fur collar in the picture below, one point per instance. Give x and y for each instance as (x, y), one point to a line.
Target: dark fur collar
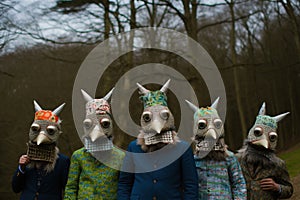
(258, 156)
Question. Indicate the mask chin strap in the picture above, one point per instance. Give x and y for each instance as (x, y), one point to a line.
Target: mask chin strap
(42, 152)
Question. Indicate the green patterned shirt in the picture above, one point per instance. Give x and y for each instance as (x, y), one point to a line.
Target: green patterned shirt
(90, 179)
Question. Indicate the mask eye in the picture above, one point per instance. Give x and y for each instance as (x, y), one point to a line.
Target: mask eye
(51, 130)
(147, 116)
(273, 136)
(164, 114)
(105, 123)
(258, 131)
(218, 123)
(202, 124)
(87, 123)
(35, 127)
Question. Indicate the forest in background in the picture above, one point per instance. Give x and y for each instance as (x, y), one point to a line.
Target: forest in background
(255, 44)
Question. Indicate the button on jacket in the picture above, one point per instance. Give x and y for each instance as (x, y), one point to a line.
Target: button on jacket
(177, 180)
(38, 184)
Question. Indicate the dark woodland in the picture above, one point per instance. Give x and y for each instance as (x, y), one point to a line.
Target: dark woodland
(255, 45)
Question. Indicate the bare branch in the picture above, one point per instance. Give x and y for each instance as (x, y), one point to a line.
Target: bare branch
(6, 74)
(228, 20)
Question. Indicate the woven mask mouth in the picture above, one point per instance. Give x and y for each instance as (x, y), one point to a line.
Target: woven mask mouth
(203, 143)
(209, 145)
(163, 137)
(101, 144)
(42, 152)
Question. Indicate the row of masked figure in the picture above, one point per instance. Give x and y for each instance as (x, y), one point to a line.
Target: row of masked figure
(158, 164)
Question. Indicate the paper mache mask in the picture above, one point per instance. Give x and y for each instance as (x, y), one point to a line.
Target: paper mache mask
(157, 121)
(208, 128)
(263, 132)
(97, 123)
(44, 133)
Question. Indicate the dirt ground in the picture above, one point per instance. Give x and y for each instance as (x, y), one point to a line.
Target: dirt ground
(296, 184)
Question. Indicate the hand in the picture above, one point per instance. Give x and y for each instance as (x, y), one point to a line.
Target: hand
(269, 184)
(23, 161)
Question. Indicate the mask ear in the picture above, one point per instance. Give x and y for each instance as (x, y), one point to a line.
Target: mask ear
(108, 95)
(58, 109)
(215, 103)
(262, 110)
(86, 96)
(142, 89)
(192, 106)
(37, 107)
(165, 86)
(281, 116)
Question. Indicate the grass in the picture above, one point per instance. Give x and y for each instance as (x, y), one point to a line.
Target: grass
(292, 160)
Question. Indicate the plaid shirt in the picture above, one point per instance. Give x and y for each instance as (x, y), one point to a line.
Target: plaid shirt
(220, 179)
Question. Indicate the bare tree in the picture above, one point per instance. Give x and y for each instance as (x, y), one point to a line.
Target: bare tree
(7, 33)
(233, 53)
(187, 12)
(290, 6)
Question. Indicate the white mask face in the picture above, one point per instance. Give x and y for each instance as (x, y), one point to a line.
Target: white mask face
(263, 133)
(97, 124)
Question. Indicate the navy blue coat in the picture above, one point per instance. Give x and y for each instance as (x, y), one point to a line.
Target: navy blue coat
(51, 186)
(177, 180)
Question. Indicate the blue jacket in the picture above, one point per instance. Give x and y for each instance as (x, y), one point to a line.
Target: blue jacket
(51, 186)
(177, 180)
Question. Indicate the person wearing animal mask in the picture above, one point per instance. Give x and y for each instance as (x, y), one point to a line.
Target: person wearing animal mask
(219, 172)
(43, 172)
(177, 180)
(93, 171)
(266, 174)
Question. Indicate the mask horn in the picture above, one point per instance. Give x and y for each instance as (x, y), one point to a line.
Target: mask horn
(86, 96)
(192, 106)
(281, 116)
(142, 89)
(58, 109)
(37, 107)
(262, 110)
(108, 95)
(165, 86)
(215, 103)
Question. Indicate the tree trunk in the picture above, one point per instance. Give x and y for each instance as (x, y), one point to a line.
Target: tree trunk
(132, 15)
(236, 69)
(295, 26)
(106, 19)
(190, 15)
